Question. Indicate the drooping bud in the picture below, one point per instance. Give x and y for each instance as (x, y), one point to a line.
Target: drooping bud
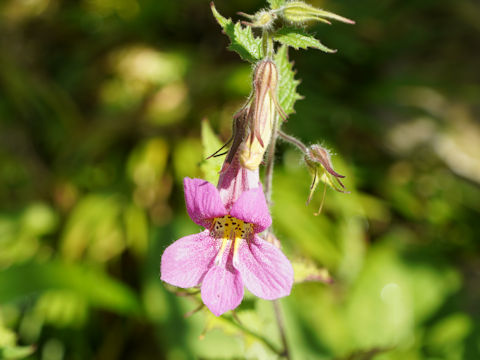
(318, 160)
(261, 115)
(299, 13)
(320, 155)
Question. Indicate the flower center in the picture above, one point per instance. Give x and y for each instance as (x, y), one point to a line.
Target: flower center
(230, 229)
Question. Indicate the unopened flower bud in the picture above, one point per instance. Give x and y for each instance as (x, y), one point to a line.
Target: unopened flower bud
(319, 155)
(299, 13)
(262, 19)
(261, 115)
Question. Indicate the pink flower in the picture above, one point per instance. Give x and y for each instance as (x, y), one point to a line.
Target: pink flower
(228, 254)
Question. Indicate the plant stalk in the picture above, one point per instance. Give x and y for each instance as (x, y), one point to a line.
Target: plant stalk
(267, 45)
(293, 141)
(281, 326)
(268, 181)
(262, 338)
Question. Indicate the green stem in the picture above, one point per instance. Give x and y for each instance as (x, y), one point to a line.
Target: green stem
(267, 44)
(281, 326)
(268, 180)
(270, 162)
(303, 148)
(263, 339)
(268, 52)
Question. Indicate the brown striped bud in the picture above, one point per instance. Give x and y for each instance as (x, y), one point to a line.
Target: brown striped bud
(261, 115)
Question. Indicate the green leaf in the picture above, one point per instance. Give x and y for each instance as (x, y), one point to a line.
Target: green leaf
(84, 236)
(275, 4)
(287, 89)
(16, 352)
(242, 39)
(210, 167)
(298, 38)
(98, 288)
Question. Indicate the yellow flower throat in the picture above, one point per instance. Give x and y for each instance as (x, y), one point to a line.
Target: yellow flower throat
(230, 229)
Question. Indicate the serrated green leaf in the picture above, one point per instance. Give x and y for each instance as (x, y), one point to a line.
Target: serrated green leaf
(210, 143)
(287, 89)
(275, 4)
(298, 38)
(242, 40)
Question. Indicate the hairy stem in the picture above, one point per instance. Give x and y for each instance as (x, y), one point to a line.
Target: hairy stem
(293, 141)
(270, 162)
(267, 44)
(268, 194)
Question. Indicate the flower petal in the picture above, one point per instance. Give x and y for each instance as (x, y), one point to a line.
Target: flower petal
(187, 260)
(222, 289)
(265, 271)
(252, 207)
(203, 201)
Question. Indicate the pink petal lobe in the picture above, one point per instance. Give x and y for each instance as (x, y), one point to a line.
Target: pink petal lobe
(222, 289)
(203, 201)
(265, 271)
(187, 260)
(252, 207)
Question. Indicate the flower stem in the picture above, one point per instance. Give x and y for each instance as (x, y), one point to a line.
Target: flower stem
(270, 162)
(263, 339)
(267, 44)
(268, 194)
(293, 141)
(281, 327)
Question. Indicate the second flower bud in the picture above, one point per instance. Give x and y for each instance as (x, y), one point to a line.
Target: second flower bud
(261, 112)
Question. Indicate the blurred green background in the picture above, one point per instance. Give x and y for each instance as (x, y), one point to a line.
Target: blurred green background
(101, 108)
